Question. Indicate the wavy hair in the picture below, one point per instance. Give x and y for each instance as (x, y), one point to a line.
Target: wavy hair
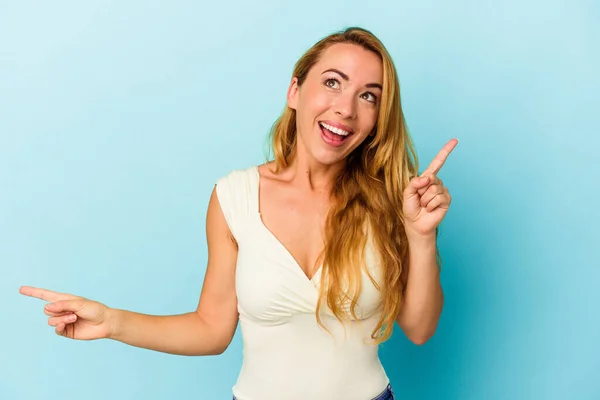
(367, 194)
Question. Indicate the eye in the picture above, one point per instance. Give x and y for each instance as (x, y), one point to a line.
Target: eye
(332, 83)
(369, 96)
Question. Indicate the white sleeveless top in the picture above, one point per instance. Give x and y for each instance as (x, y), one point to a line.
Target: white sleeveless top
(286, 354)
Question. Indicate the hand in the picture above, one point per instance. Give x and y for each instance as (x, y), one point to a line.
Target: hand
(73, 316)
(426, 200)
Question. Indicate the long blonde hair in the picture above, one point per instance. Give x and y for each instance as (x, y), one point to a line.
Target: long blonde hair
(368, 192)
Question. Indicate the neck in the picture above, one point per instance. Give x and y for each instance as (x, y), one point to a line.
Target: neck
(308, 174)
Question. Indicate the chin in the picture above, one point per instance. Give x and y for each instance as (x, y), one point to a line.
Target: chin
(325, 157)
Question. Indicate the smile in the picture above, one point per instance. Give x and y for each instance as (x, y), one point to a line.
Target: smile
(334, 136)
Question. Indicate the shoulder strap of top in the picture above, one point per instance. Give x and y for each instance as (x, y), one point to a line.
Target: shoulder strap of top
(238, 196)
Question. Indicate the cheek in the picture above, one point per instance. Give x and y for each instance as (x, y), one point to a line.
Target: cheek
(315, 102)
(368, 120)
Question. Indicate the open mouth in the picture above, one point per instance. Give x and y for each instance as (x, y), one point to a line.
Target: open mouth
(334, 136)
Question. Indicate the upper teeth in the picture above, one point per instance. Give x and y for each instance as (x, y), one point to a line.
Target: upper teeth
(335, 130)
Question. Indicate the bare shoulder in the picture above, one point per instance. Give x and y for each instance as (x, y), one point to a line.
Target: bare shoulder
(267, 171)
(271, 178)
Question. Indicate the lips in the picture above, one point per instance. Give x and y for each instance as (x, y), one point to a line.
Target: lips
(334, 136)
(336, 127)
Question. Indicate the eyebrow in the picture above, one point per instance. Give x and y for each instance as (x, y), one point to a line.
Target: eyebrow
(346, 78)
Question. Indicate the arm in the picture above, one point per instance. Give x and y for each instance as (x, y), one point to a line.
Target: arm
(423, 295)
(425, 203)
(206, 331)
(209, 329)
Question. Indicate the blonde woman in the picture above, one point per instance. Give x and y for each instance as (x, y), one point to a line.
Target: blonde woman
(316, 252)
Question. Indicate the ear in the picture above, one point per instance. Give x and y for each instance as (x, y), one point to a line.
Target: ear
(292, 94)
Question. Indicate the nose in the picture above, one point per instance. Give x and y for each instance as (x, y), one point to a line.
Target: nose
(345, 106)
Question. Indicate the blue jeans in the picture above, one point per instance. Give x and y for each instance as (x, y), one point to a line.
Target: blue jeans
(387, 394)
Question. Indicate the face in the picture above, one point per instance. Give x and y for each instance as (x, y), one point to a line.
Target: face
(337, 104)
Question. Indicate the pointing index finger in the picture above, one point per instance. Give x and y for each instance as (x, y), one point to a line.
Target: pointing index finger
(440, 158)
(43, 294)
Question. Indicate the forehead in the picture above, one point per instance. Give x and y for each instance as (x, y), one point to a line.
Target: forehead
(361, 65)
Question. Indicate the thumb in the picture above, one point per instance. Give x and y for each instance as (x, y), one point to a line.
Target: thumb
(415, 184)
(73, 305)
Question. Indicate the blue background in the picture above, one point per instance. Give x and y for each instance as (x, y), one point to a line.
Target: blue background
(116, 120)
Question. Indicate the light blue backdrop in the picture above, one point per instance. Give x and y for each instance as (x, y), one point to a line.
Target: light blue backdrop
(116, 119)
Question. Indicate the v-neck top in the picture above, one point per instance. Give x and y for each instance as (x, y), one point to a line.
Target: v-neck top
(286, 353)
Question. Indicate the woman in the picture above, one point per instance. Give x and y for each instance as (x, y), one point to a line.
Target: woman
(311, 251)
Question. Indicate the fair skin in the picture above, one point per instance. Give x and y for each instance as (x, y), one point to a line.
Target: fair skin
(206, 331)
(341, 88)
(426, 202)
(294, 204)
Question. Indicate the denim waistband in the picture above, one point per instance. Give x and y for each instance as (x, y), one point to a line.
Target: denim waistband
(387, 394)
